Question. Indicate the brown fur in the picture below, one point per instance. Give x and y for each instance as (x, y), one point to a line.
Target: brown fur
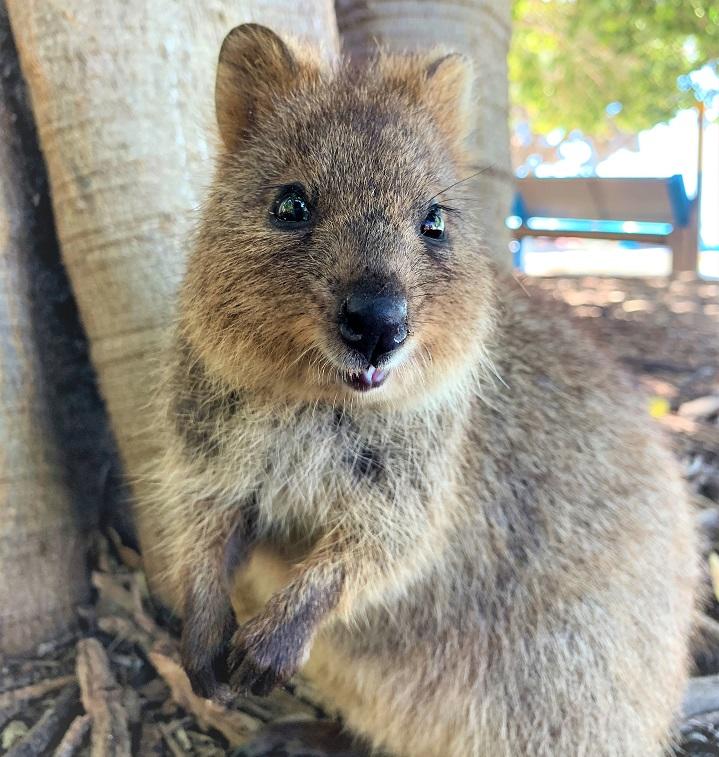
(492, 553)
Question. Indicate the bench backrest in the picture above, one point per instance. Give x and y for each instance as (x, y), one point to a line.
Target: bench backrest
(657, 200)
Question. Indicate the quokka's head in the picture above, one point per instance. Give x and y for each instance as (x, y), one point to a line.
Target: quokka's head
(337, 258)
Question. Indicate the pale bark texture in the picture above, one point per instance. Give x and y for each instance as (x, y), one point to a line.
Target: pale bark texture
(122, 94)
(42, 559)
(478, 28)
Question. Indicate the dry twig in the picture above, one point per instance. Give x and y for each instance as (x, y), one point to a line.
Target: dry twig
(33, 691)
(102, 699)
(48, 729)
(169, 738)
(234, 725)
(74, 736)
(161, 650)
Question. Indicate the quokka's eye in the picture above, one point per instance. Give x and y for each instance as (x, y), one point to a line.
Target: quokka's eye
(433, 224)
(291, 208)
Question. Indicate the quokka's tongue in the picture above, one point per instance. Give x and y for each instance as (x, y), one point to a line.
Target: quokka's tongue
(371, 376)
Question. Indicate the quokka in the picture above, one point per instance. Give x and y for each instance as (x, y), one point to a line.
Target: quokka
(419, 485)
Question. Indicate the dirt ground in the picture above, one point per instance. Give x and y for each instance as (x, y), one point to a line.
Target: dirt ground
(117, 687)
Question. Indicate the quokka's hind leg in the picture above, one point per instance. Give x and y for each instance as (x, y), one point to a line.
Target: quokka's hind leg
(600, 684)
(591, 681)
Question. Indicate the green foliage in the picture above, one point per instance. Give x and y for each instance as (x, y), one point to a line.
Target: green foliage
(571, 58)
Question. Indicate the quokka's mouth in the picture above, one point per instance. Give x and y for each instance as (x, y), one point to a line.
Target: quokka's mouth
(366, 380)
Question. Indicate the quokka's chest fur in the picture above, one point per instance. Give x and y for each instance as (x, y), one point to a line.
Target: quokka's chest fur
(309, 465)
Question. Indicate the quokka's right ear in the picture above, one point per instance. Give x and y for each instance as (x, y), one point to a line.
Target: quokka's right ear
(447, 91)
(255, 65)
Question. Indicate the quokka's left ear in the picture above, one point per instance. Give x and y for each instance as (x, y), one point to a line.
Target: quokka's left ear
(447, 90)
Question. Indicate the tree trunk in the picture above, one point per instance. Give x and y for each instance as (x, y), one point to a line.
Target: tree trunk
(122, 95)
(479, 28)
(42, 561)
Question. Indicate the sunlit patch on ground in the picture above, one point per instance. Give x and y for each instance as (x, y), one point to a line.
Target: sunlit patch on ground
(574, 257)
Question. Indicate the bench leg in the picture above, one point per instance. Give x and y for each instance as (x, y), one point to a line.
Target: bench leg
(518, 253)
(684, 244)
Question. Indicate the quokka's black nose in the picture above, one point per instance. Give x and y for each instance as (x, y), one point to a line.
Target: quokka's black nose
(373, 324)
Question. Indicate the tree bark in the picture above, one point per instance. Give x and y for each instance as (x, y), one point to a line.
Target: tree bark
(122, 95)
(42, 561)
(478, 28)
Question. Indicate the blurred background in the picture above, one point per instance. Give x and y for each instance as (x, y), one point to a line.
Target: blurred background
(617, 88)
(597, 147)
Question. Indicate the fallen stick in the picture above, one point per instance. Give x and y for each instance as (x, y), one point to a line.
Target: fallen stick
(102, 700)
(33, 691)
(701, 433)
(117, 625)
(113, 589)
(133, 624)
(699, 408)
(150, 739)
(74, 736)
(38, 739)
(169, 738)
(234, 725)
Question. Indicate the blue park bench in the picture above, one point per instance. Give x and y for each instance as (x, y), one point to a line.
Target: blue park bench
(648, 210)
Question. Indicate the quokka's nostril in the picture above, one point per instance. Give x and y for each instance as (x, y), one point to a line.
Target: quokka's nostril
(373, 324)
(400, 334)
(350, 329)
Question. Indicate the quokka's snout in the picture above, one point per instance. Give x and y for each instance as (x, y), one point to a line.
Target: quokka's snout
(373, 324)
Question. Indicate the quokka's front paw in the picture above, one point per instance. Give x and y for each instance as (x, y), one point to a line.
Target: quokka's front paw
(265, 655)
(204, 649)
(203, 680)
